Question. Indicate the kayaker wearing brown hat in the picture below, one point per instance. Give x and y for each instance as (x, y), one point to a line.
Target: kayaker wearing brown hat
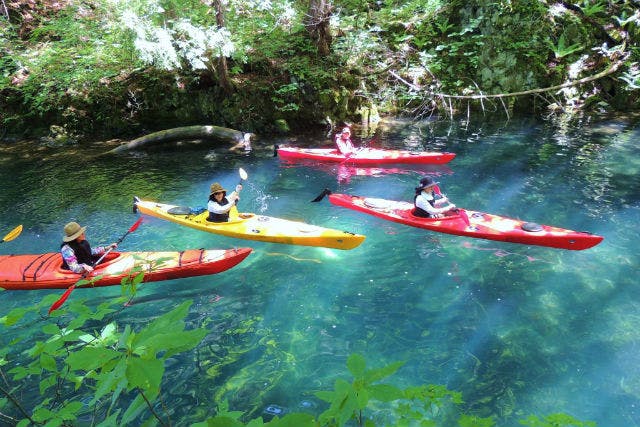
(77, 254)
(220, 204)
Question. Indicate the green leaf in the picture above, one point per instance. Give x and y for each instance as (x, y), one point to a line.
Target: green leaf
(111, 420)
(374, 375)
(173, 321)
(70, 410)
(385, 393)
(47, 382)
(14, 316)
(90, 358)
(291, 420)
(172, 343)
(136, 407)
(48, 363)
(327, 396)
(114, 381)
(144, 374)
(473, 421)
(219, 421)
(356, 365)
(51, 329)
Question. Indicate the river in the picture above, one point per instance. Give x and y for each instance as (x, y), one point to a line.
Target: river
(518, 330)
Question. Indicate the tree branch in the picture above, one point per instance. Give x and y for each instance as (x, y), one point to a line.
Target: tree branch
(612, 69)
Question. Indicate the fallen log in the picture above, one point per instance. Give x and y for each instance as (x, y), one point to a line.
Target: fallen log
(189, 133)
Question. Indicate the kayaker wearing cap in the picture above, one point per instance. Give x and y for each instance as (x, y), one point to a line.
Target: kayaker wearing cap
(220, 204)
(430, 203)
(77, 254)
(343, 141)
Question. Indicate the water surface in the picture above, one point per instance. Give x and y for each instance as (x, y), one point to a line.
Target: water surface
(517, 329)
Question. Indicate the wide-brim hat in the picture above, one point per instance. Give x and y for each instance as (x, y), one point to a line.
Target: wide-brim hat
(426, 182)
(217, 188)
(72, 231)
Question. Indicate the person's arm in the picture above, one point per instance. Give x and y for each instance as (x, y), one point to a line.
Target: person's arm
(99, 250)
(424, 204)
(441, 199)
(70, 257)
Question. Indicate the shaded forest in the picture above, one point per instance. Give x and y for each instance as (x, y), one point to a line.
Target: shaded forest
(77, 70)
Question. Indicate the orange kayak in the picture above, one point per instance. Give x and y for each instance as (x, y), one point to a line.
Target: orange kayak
(44, 271)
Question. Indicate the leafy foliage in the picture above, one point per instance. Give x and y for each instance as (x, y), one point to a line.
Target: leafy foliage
(110, 68)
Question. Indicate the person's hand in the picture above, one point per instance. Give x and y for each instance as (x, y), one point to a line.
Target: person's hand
(112, 246)
(87, 268)
(238, 188)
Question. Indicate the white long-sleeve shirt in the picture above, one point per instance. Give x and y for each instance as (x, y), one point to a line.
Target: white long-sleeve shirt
(424, 200)
(215, 207)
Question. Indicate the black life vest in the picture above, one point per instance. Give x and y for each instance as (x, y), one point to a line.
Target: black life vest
(82, 251)
(216, 217)
(417, 211)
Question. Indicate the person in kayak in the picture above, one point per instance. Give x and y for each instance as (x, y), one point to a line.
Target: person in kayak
(429, 201)
(220, 204)
(77, 254)
(343, 141)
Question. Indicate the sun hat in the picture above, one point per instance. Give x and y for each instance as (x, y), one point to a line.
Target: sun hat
(426, 182)
(72, 231)
(217, 188)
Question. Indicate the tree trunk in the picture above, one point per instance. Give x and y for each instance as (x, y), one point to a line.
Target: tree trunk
(317, 24)
(188, 133)
(222, 69)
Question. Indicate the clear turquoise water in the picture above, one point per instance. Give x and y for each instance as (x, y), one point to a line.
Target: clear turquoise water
(518, 330)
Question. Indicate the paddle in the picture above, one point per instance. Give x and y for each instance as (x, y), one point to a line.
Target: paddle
(233, 213)
(320, 196)
(243, 175)
(12, 234)
(66, 294)
(461, 212)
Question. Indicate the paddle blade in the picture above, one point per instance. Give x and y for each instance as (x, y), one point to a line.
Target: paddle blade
(243, 174)
(135, 226)
(320, 196)
(12, 234)
(56, 305)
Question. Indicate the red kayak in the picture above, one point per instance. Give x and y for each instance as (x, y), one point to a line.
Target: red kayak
(44, 271)
(366, 156)
(470, 223)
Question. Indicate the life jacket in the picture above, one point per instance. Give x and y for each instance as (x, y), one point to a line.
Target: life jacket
(417, 211)
(218, 217)
(82, 251)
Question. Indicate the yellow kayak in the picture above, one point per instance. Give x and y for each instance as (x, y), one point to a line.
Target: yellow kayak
(253, 227)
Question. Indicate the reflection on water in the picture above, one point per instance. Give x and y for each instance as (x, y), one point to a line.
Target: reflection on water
(518, 330)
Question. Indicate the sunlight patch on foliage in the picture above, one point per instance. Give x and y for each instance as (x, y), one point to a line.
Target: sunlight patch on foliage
(166, 46)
